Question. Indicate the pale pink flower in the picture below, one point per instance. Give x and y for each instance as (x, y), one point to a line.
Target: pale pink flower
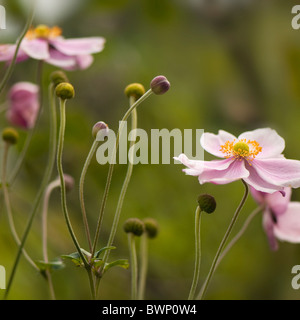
(255, 156)
(281, 218)
(47, 44)
(23, 100)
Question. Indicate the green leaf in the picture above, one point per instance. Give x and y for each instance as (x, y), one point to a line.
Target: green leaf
(123, 263)
(98, 253)
(74, 257)
(51, 265)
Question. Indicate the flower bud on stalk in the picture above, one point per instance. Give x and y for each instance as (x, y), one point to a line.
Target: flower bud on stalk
(135, 90)
(135, 226)
(160, 85)
(10, 135)
(207, 203)
(58, 77)
(65, 91)
(100, 126)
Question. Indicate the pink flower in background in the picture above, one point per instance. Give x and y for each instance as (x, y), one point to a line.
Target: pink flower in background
(255, 156)
(47, 44)
(24, 104)
(281, 218)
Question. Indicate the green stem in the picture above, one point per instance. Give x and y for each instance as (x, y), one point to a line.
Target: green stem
(48, 191)
(21, 37)
(110, 173)
(63, 193)
(44, 183)
(8, 207)
(134, 266)
(143, 266)
(228, 231)
(240, 233)
(81, 192)
(197, 254)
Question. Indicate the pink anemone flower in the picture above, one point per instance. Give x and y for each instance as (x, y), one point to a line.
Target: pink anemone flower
(47, 44)
(281, 217)
(24, 105)
(255, 156)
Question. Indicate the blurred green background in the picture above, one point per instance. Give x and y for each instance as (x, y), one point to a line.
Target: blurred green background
(232, 65)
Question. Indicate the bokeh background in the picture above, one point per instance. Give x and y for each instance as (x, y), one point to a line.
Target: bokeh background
(233, 65)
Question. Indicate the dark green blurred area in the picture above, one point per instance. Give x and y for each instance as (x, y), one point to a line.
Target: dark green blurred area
(236, 70)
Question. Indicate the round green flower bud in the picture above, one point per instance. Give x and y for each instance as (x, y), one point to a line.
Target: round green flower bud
(207, 203)
(135, 90)
(58, 77)
(100, 125)
(135, 226)
(151, 227)
(65, 91)
(10, 135)
(160, 85)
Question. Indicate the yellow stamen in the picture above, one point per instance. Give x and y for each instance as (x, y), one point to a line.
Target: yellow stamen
(44, 32)
(241, 149)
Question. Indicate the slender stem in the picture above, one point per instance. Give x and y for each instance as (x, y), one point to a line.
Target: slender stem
(143, 266)
(63, 193)
(81, 192)
(54, 184)
(21, 37)
(134, 266)
(197, 254)
(44, 183)
(110, 172)
(228, 231)
(240, 233)
(8, 207)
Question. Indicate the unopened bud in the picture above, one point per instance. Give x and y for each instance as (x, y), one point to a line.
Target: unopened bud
(135, 90)
(135, 226)
(58, 77)
(101, 127)
(65, 91)
(151, 227)
(10, 135)
(207, 203)
(160, 85)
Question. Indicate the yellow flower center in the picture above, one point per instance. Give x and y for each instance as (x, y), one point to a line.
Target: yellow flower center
(44, 32)
(241, 149)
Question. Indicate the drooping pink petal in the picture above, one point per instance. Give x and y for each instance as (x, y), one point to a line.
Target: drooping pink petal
(287, 227)
(279, 171)
(84, 61)
(7, 52)
(268, 225)
(76, 47)
(61, 60)
(272, 144)
(36, 48)
(24, 105)
(196, 167)
(212, 142)
(276, 201)
(260, 184)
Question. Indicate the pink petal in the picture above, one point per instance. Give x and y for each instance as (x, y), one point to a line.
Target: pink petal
(196, 167)
(7, 52)
(60, 60)
(212, 142)
(279, 171)
(84, 61)
(268, 225)
(260, 184)
(272, 144)
(36, 48)
(287, 227)
(82, 46)
(235, 171)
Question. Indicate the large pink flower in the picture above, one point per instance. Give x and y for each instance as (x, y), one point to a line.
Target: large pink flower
(281, 218)
(255, 156)
(47, 44)
(23, 99)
